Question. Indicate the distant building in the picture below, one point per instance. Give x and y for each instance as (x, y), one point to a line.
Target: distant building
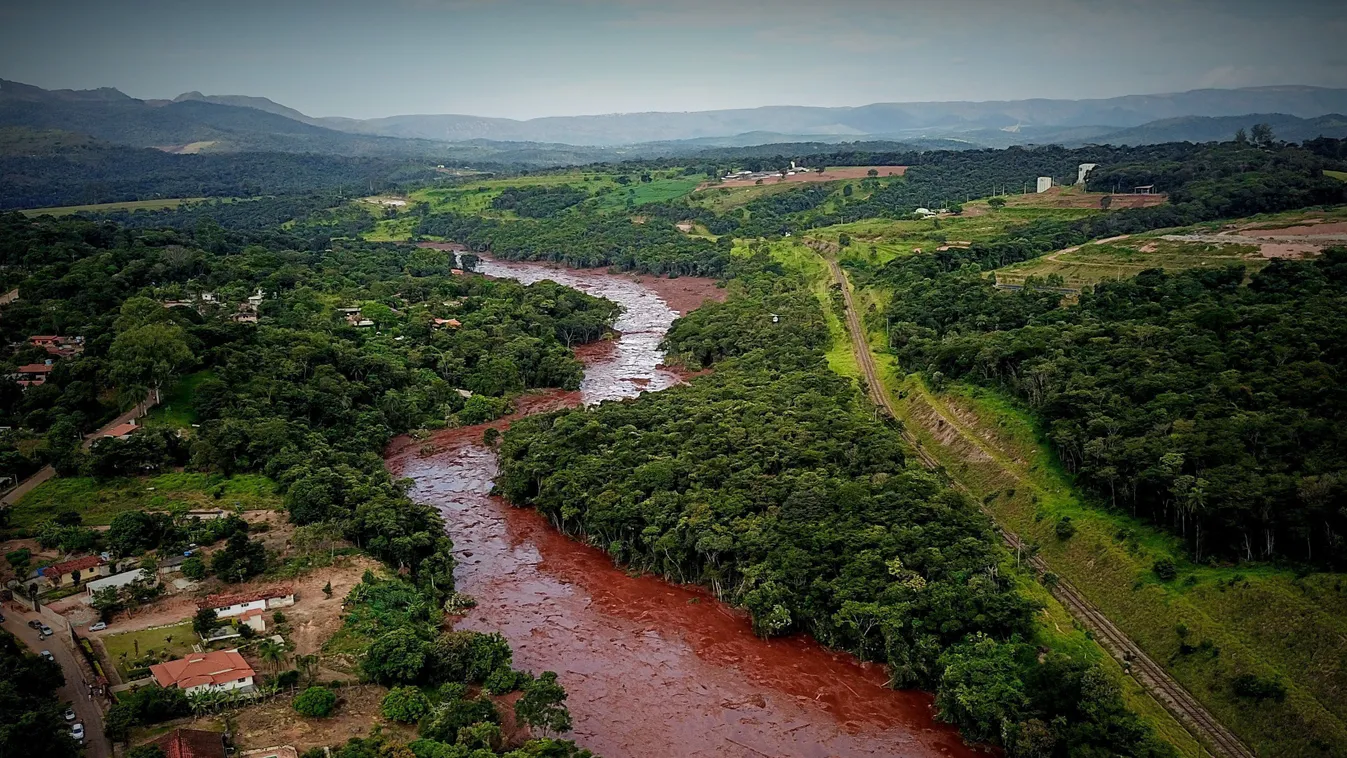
(924, 212)
(1082, 171)
(122, 431)
(452, 323)
(1145, 189)
(1044, 184)
(204, 672)
(191, 743)
(33, 374)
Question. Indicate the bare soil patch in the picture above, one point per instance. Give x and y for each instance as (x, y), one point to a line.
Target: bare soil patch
(1311, 229)
(685, 293)
(811, 177)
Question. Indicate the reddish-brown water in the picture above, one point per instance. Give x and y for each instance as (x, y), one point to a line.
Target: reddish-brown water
(654, 670)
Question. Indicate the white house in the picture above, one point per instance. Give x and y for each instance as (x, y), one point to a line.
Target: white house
(116, 580)
(226, 606)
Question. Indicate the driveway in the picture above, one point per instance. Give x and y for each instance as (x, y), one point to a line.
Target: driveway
(75, 691)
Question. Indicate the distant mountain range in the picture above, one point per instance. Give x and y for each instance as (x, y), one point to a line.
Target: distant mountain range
(194, 122)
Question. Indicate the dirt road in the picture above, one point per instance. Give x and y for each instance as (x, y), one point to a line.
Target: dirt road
(74, 691)
(1168, 692)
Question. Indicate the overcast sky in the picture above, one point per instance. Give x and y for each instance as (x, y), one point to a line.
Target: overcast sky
(527, 58)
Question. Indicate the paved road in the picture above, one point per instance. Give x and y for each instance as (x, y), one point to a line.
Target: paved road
(1168, 692)
(75, 691)
(47, 472)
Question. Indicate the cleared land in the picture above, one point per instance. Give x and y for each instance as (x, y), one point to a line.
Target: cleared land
(809, 177)
(1073, 197)
(99, 502)
(133, 205)
(175, 410)
(877, 241)
(1252, 243)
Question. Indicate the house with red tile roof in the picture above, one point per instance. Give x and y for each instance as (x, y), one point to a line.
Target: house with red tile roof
(122, 431)
(239, 603)
(203, 672)
(63, 574)
(191, 743)
(32, 374)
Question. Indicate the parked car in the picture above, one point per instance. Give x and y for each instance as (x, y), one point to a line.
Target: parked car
(34, 624)
(77, 731)
(2, 618)
(70, 714)
(100, 626)
(47, 654)
(46, 630)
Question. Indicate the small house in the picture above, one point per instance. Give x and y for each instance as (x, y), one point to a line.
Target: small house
(122, 431)
(75, 571)
(452, 323)
(116, 581)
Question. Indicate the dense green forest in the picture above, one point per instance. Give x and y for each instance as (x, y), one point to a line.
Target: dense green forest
(771, 481)
(1212, 408)
(302, 395)
(586, 241)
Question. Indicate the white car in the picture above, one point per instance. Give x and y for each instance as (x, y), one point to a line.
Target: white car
(77, 731)
(70, 714)
(47, 654)
(100, 626)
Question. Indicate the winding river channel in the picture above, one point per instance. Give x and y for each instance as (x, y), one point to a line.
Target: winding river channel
(654, 670)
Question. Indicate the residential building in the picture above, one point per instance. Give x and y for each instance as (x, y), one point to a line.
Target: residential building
(75, 571)
(116, 580)
(218, 670)
(122, 431)
(237, 604)
(191, 743)
(33, 374)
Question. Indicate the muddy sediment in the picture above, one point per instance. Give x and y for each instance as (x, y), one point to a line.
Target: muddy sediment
(653, 669)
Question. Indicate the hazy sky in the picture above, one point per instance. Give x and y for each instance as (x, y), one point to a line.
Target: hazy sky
(526, 58)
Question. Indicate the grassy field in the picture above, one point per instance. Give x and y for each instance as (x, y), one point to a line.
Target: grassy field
(167, 643)
(1093, 263)
(134, 205)
(640, 193)
(1257, 619)
(1339, 175)
(877, 241)
(175, 411)
(99, 502)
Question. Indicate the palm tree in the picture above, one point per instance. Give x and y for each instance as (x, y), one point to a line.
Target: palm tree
(309, 665)
(272, 652)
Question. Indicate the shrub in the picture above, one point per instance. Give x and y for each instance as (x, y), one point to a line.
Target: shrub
(288, 679)
(315, 702)
(1165, 569)
(194, 568)
(1064, 529)
(406, 704)
(1256, 688)
(505, 680)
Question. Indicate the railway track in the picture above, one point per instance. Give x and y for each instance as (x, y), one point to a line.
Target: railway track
(1161, 686)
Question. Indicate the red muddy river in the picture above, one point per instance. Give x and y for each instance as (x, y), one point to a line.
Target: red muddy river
(654, 670)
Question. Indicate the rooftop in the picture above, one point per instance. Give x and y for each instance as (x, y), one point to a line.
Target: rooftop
(191, 743)
(76, 564)
(226, 600)
(216, 667)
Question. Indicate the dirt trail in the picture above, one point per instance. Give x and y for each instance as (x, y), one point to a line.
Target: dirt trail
(1168, 692)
